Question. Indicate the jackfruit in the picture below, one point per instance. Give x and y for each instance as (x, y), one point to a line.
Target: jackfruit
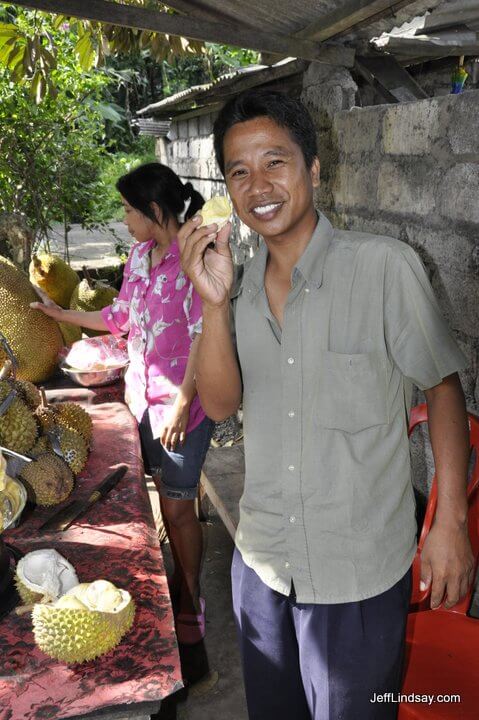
(34, 338)
(48, 479)
(28, 392)
(54, 276)
(87, 621)
(217, 210)
(90, 296)
(44, 575)
(70, 333)
(74, 417)
(18, 429)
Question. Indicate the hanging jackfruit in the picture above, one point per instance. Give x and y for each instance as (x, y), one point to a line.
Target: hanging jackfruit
(90, 296)
(88, 621)
(54, 276)
(34, 338)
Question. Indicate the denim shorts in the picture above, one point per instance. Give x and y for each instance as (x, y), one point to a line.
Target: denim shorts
(180, 470)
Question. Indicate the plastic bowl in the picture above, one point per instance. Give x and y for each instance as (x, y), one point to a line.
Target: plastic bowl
(95, 378)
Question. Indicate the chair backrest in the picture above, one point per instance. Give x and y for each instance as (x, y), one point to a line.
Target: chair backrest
(419, 598)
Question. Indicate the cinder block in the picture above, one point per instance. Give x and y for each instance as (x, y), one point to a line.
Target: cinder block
(357, 130)
(173, 131)
(183, 129)
(411, 128)
(193, 127)
(354, 186)
(459, 116)
(459, 193)
(195, 147)
(406, 189)
(206, 124)
(207, 150)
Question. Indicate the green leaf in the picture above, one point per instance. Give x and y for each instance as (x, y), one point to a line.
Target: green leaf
(108, 111)
(85, 51)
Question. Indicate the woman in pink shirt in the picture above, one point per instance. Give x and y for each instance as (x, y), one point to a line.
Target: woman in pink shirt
(161, 312)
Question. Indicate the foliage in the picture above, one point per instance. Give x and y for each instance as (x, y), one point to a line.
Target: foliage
(49, 150)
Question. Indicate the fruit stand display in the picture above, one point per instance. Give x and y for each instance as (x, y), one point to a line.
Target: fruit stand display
(85, 618)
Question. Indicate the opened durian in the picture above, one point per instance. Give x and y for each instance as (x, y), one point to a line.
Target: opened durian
(73, 448)
(217, 210)
(12, 497)
(48, 479)
(44, 575)
(54, 276)
(88, 621)
(74, 417)
(18, 429)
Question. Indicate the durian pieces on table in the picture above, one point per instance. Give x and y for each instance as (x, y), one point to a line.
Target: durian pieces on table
(89, 620)
(44, 575)
(34, 338)
(54, 276)
(90, 296)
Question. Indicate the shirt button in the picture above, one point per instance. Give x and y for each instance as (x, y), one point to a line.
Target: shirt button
(306, 289)
(291, 468)
(291, 413)
(286, 564)
(290, 361)
(292, 519)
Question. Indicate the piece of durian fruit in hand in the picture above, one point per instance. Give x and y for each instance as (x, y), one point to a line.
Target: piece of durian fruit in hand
(217, 210)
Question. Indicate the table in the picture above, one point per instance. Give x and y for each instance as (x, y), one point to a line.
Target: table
(115, 540)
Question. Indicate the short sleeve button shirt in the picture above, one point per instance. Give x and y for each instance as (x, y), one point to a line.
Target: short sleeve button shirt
(328, 500)
(161, 312)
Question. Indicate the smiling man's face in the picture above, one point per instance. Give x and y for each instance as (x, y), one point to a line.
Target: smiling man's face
(268, 181)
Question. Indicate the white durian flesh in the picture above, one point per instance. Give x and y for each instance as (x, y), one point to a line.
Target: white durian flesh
(217, 210)
(44, 575)
(86, 622)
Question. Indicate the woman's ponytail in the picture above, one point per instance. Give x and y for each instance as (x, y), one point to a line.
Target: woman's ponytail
(196, 200)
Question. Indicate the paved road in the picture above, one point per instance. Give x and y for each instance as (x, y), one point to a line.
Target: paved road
(94, 248)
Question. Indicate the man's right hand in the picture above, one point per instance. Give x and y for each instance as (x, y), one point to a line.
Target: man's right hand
(47, 305)
(210, 270)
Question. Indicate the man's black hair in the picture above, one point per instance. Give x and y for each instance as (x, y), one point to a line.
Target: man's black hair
(282, 109)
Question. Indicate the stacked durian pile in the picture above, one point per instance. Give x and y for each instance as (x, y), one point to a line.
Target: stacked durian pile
(57, 437)
(72, 621)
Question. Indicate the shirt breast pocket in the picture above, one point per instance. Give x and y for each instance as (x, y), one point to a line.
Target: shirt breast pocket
(352, 391)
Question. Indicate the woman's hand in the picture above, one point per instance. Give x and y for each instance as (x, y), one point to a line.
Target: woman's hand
(210, 270)
(174, 431)
(47, 305)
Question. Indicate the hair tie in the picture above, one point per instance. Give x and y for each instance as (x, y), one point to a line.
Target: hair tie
(181, 216)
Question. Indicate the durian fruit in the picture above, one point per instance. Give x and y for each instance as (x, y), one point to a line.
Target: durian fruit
(45, 416)
(70, 333)
(18, 429)
(90, 296)
(28, 392)
(74, 417)
(44, 576)
(217, 210)
(48, 479)
(88, 621)
(54, 276)
(73, 448)
(34, 338)
(42, 446)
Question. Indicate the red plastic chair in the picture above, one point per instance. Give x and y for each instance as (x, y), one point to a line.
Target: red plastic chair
(442, 646)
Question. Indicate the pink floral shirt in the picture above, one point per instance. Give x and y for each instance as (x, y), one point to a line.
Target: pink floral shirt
(161, 312)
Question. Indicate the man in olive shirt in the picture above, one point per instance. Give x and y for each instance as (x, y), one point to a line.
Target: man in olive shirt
(332, 329)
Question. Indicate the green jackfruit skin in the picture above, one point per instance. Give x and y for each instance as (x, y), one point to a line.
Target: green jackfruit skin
(75, 636)
(34, 338)
(54, 276)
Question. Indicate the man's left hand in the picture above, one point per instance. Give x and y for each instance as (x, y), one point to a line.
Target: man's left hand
(447, 564)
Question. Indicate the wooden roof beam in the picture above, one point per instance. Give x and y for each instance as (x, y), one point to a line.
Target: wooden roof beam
(232, 34)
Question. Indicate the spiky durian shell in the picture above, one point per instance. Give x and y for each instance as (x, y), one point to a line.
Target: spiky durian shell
(29, 393)
(74, 417)
(41, 447)
(27, 596)
(74, 448)
(46, 417)
(48, 480)
(18, 429)
(74, 635)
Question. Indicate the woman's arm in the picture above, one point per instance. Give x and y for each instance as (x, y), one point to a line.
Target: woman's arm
(91, 320)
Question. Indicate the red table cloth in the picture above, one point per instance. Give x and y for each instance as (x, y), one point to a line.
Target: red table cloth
(115, 540)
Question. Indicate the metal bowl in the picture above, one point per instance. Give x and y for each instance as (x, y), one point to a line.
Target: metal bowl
(95, 378)
(11, 511)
